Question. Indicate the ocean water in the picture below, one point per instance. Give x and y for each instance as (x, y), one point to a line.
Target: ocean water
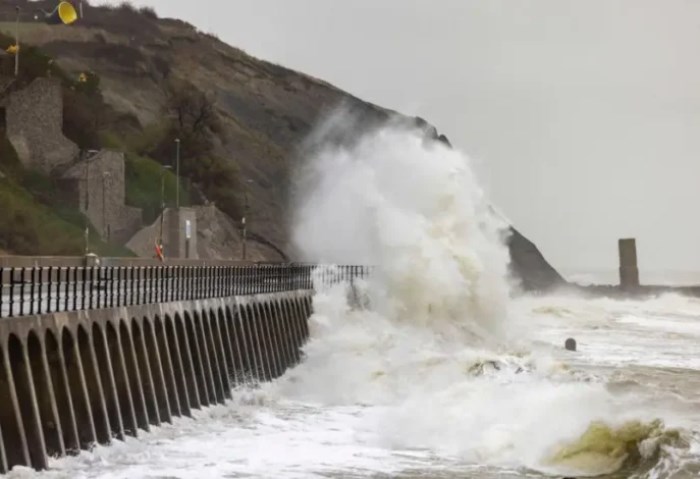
(382, 401)
(434, 368)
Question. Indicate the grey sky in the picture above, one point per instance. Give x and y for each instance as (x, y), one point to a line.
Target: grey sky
(583, 116)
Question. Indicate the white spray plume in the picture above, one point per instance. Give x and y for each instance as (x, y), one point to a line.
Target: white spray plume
(413, 208)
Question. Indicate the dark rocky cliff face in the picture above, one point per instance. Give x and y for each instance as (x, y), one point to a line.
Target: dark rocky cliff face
(529, 266)
(264, 111)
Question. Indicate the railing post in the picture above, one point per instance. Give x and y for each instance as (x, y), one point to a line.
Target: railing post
(12, 291)
(75, 288)
(140, 285)
(170, 272)
(83, 286)
(211, 290)
(227, 281)
(66, 289)
(154, 287)
(195, 282)
(90, 284)
(21, 292)
(190, 282)
(31, 290)
(117, 274)
(132, 285)
(109, 286)
(148, 288)
(159, 284)
(40, 288)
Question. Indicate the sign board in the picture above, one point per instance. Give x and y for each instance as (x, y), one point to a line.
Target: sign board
(188, 229)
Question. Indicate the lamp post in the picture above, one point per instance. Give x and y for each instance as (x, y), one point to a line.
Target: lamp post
(86, 157)
(105, 223)
(244, 225)
(162, 201)
(17, 42)
(177, 173)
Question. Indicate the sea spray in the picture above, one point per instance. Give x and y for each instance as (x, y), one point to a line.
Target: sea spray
(434, 363)
(414, 209)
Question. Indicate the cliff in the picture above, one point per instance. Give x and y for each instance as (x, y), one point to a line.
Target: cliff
(243, 118)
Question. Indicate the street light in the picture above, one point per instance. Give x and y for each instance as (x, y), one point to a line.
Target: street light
(177, 173)
(244, 226)
(105, 223)
(17, 42)
(87, 156)
(162, 201)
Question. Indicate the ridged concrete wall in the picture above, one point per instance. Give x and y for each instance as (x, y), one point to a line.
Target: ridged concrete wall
(69, 381)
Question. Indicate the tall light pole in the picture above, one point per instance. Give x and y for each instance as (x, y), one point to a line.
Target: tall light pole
(87, 156)
(244, 225)
(87, 203)
(177, 173)
(105, 223)
(162, 202)
(17, 42)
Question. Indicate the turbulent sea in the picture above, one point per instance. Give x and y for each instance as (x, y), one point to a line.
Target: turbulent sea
(381, 401)
(436, 367)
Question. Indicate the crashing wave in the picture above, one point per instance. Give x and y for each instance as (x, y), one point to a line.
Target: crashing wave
(632, 448)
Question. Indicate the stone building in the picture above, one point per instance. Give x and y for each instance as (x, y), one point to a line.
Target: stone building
(98, 181)
(34, 122)
(179, 231)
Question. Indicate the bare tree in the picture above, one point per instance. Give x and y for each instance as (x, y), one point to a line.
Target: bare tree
(192, 110)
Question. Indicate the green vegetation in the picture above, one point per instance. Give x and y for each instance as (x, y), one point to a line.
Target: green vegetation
(36, 216)
(143, 186)
(39, 216)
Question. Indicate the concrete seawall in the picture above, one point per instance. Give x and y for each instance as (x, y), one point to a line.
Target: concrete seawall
(70, 380)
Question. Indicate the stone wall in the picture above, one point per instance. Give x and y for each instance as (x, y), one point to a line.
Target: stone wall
(34, 120)
(99, 183)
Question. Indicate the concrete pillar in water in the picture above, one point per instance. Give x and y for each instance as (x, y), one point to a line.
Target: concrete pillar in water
(629, 273)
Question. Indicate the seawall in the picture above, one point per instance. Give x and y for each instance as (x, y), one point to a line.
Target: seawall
(70, 380)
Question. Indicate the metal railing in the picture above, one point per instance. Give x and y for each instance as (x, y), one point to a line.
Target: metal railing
(41, 290)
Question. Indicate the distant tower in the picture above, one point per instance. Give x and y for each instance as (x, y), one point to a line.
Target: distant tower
(629, 272)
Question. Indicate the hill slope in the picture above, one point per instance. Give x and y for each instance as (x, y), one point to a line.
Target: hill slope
(149, 68)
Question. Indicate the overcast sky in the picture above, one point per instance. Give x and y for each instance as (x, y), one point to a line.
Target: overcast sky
(583, 116)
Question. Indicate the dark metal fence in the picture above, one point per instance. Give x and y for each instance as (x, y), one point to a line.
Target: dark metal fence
(40, 290)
